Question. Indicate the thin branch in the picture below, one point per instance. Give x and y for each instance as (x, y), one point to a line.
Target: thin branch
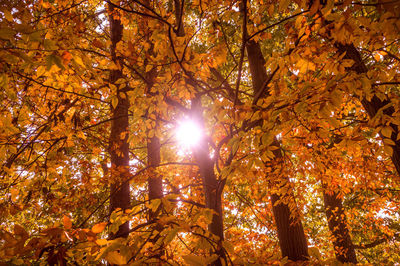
(60, 90)
(155, 16)
(375, 243)
(386, 83)
(112, 194)
(275, 24)
(188, 201)
(176, 104)
(58, 12)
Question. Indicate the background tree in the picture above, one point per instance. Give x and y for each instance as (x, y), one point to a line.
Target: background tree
(293, 119)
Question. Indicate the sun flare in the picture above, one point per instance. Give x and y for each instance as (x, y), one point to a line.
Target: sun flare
(188, 133)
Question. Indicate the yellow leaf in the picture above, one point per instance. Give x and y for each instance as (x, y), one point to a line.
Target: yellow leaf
(17, 261)
(8, 15)
(98, 228)
(46, 4)
(101, 242)
(67, 222)
(388, 150)
(114, 102)
(40, 71)
(314, 252)
(387, 132)
(115, 257)
(79, 61)
(382, 53)
(148, 68)
(389, 141)
(194, 260)
(81, 135)
(155, 204)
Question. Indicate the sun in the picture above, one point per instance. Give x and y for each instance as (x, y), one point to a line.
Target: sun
(188, 133)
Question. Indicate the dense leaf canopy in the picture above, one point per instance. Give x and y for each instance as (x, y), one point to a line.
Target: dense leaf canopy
(318, 120)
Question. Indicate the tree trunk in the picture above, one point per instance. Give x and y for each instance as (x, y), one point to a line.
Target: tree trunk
(118, 145)
(344, 249)
(155, 187)
(292, 240)
(343, 245)
(375, 104)
(154, 181)
(212, 187)
(180, 31)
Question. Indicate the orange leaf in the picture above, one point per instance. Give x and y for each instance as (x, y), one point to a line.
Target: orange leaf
(101, 242)
(67, 222)
(66, 56)
(98, 228)
(377, 57)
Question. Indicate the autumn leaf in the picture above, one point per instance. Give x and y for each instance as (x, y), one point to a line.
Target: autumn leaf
(6, 33)
(387, 132)
(67, 222)
(194, 260)
(20, 231)
(97, 43)
(297, 109)
(114, 257)
(66, 56)
(101, 242)
(98, 228)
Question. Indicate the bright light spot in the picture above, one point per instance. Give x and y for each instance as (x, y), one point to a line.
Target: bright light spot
(188, 133)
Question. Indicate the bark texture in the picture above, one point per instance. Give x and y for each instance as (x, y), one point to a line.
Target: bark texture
(211, 185)
(292, 240)
(118, 145)
(344, 249)
(154, 181)
(180, 31)
(155, 187)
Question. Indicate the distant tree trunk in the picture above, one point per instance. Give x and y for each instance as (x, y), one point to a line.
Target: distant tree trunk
(155, 187)
(337, 220)
(373, 105)
(292, 240)
(212, 187)
(344, 249)
(154, 180)
(118, 145)
(179, 17)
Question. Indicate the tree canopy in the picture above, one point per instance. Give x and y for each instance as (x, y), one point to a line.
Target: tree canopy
(199, 132)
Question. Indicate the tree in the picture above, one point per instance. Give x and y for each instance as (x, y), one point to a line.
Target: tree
(119, 146)
(295, 155)
(291, 236)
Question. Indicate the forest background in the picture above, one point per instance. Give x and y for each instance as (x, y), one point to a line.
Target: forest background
(293, 153)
